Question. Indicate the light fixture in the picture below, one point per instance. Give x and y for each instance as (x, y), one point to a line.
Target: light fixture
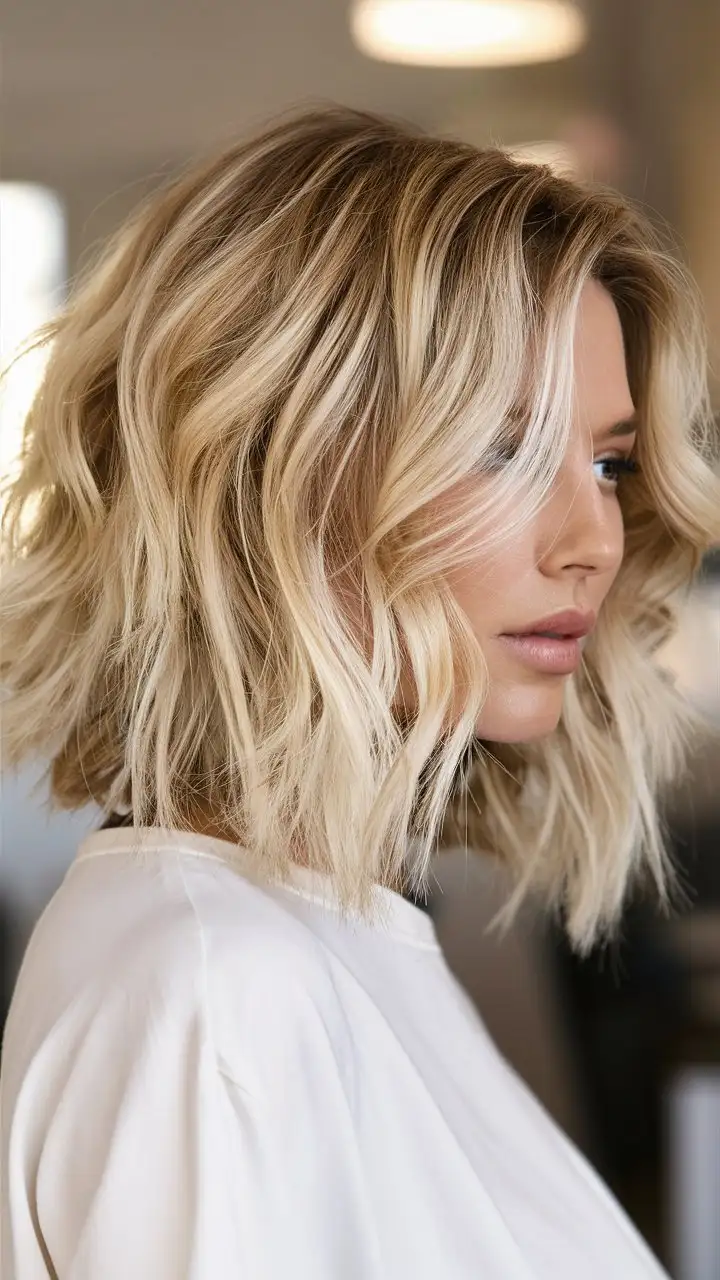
(467, 33)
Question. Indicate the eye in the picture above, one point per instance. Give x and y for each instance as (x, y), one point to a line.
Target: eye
(617, 468)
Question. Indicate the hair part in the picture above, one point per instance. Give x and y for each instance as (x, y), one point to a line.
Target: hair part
(254, 390)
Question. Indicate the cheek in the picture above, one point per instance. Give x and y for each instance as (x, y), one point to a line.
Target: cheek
(620, 535)
(616, 537)
(486, 587)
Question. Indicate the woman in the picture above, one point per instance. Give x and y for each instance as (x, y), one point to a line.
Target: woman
(336, 414)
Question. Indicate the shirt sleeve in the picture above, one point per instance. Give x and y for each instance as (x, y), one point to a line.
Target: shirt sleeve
(142, 1157)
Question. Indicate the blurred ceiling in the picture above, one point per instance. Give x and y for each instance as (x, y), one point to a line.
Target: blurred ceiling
(93, 81)
(100, 98)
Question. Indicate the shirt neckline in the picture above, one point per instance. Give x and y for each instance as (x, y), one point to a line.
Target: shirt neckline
(401, 919)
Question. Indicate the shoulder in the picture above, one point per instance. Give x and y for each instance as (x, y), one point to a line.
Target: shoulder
(270, 985)
(160, 947)
(175, 1042)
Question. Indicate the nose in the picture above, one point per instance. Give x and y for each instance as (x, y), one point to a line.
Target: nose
(581, 525)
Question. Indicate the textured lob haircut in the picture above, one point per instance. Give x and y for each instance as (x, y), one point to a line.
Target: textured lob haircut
(254, 391)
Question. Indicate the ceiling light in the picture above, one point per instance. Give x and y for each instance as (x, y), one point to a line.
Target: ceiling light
(467, 33)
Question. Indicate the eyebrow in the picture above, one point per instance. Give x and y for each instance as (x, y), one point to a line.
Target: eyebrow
(627, 428)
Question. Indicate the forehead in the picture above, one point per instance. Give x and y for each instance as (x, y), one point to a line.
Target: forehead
(602, 391)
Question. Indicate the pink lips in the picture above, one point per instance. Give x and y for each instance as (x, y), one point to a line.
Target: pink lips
(560, 657)
(569, 623)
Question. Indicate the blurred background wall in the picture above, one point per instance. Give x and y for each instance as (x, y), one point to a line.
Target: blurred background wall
(100, 102)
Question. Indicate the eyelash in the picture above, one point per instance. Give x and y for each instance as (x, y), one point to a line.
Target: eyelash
(623, 466)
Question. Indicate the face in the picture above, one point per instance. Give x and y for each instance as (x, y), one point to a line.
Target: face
(569, 557)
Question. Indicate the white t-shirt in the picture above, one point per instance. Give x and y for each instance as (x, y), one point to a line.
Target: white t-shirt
(207, 1079)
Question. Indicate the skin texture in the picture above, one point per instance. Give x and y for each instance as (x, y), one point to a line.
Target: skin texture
(570, 555)
(567, 558)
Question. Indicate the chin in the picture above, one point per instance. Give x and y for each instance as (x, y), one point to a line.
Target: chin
(519, 728)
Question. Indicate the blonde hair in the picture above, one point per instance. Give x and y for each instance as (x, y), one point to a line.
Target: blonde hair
(253, 392)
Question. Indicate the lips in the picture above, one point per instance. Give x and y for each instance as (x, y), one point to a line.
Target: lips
(568, 625)
(559, 657)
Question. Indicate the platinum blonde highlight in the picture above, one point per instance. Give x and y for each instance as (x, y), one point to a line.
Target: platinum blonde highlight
(254, 392)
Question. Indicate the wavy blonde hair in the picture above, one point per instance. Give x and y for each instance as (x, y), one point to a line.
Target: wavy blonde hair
(254, 391)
